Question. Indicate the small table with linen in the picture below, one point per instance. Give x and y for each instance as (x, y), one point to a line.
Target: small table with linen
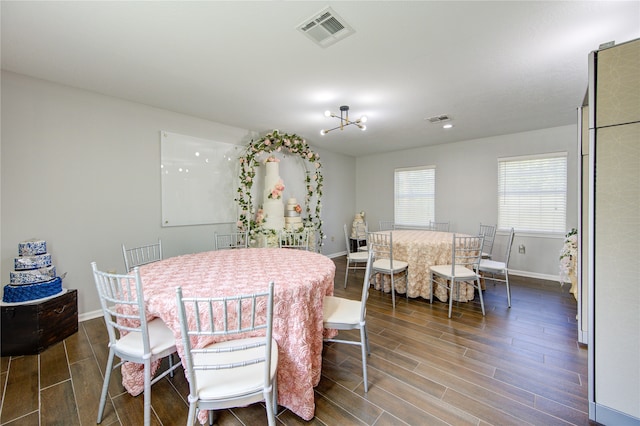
(422, 249)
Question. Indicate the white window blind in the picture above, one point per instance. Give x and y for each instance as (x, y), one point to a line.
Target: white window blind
(414, 195)
(532, 193)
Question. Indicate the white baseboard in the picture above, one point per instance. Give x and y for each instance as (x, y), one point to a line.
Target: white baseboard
(342, 253)
(89, 315)
(529, 274)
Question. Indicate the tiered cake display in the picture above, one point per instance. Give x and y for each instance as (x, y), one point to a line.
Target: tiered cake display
(33, 277)
(272, 204)
(292, 219)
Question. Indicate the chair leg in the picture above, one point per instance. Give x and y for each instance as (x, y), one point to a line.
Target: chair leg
(364, 344)
(268, 402)
(506, 280)
(366, 336)
(430, 287)
(453, 283)
(274, 387)
(393, 291)
(346, 273)
(105, 386)
(480, 294)
(147, 392)
(192, 412)
(171, 365)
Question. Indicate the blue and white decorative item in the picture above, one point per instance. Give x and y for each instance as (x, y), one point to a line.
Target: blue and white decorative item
(24, 263)
(34, 277)
(32, 247)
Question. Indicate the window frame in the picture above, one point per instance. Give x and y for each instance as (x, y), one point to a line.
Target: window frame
(557, 225)
(430, 192)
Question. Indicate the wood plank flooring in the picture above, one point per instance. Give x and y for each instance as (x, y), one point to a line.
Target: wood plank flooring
(513, 367)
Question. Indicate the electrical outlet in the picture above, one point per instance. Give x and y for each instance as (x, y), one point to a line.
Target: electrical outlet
(333, 238)
(521, 249)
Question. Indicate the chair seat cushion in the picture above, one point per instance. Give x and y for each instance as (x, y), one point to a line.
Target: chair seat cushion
(233, 382)
(160, 339)
(359, 256)
(385, 265)
(492, 265)
(341, 310)
(460, 271)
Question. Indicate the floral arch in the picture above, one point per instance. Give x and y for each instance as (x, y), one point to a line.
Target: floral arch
(250, 161)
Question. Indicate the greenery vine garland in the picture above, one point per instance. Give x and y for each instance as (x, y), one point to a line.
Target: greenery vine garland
(249, 162)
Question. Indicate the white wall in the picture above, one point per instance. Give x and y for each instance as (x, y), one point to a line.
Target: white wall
(81, 171)
(467, 186)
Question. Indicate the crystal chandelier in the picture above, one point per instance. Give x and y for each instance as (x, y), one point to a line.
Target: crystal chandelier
(344, 120)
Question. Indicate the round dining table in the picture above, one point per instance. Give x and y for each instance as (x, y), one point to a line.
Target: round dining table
(422, 249)
(302, 280)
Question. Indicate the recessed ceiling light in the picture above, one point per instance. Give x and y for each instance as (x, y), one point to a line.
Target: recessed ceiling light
(447, 126)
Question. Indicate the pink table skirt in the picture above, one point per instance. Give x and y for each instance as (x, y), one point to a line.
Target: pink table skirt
(301, 278)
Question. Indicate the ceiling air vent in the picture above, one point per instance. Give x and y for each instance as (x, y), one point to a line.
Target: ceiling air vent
(438, 118)
(325, 27)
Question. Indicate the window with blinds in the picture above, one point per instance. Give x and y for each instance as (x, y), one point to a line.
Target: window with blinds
(414, 195)
(532, 193)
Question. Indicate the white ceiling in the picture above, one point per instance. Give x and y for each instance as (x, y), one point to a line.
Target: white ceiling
(494, 67)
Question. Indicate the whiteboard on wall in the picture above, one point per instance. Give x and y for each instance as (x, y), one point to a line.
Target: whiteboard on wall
(199, 180)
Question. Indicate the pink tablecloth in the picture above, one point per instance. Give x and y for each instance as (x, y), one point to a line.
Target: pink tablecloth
(422, 249)
(301, 278)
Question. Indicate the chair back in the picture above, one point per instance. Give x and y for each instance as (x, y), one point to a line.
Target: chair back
(346, 238)
(512, 234)
(230, 319)
(365, 287)
(467, 252)
(381, 244)
(232, 240)
(489, 234)
(294, 239)
(386, 225)
(122, 303)
(142, 255)
(439, 226)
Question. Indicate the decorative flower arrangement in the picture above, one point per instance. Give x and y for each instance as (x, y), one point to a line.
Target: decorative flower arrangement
(259, 216)
(568, 255)
(279, 142)
(276, 192)
(272, 159)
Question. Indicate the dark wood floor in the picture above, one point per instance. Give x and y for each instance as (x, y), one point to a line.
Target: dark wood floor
(515, 366)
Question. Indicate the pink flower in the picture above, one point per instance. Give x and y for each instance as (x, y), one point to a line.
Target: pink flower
(276, 192)
(297, 208)
(267, 142)
(260, 216)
